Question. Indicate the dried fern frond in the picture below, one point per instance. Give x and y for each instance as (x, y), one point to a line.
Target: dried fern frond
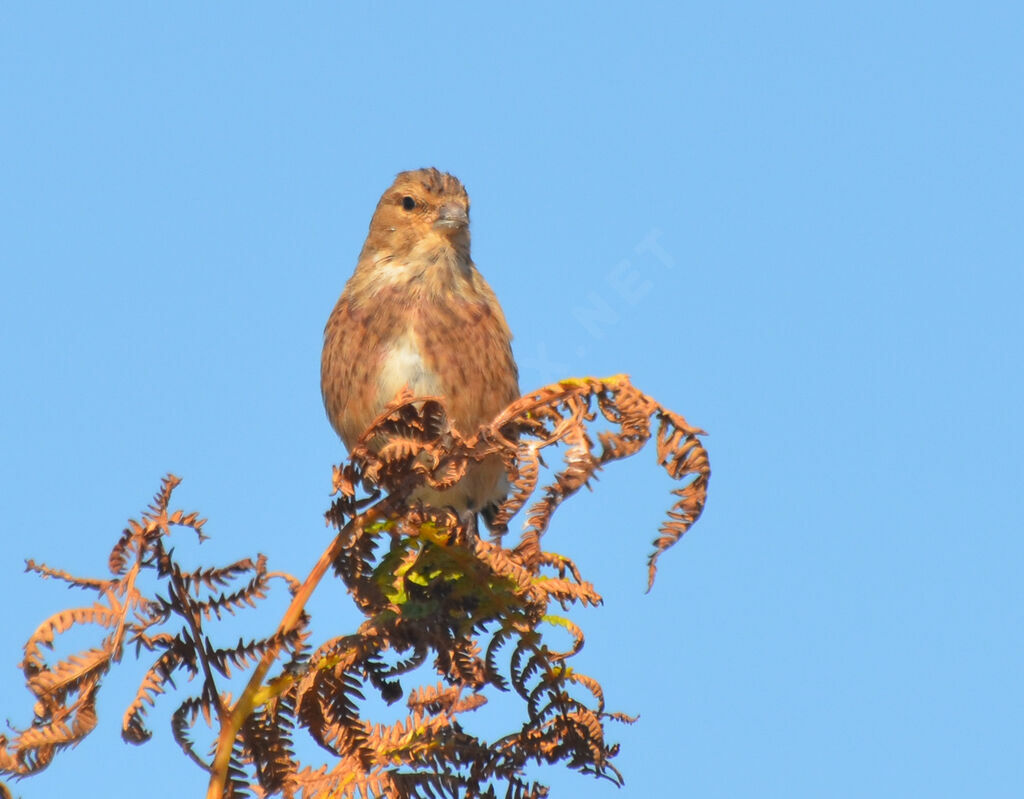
(66, 690)
(425, 445)
(433, 594)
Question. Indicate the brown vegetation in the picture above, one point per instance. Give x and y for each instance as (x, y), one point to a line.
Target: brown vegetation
(431, 590)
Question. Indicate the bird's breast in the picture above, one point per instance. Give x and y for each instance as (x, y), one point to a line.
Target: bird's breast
(402, 365)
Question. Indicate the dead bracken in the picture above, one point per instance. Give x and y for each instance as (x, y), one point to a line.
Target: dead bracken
(431, 590)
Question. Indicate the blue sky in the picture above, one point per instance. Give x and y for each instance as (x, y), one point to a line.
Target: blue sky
(835, 295)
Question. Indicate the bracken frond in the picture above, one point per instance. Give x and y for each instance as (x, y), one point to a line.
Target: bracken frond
(434, 595)
(159, 674)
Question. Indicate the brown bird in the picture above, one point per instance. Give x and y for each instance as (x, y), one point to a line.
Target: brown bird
(417, 314)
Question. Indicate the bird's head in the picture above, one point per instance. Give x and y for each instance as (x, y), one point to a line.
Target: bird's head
(424, 210)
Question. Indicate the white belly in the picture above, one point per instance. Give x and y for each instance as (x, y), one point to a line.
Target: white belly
(402, 367)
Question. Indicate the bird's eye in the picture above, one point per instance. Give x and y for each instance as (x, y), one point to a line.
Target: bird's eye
(408, 203)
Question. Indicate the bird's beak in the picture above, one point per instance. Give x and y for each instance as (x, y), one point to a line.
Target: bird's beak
(451, 217)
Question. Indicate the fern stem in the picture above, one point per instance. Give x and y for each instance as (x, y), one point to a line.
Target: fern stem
(246, 702)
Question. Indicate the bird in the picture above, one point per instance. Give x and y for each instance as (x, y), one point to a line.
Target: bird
(416, 315)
